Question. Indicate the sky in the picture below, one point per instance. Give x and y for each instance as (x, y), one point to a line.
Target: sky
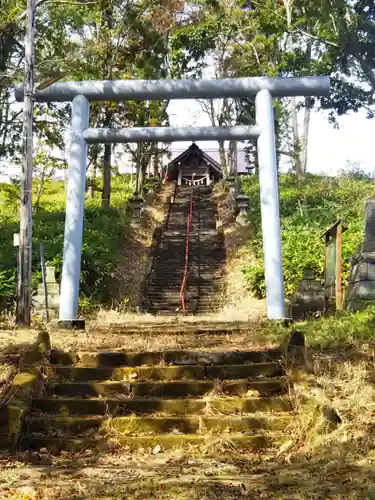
(329, 149)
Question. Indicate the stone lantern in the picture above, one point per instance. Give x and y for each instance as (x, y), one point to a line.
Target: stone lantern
(243, 206)
(136, 203)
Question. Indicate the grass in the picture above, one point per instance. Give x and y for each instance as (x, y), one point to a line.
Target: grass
(307, 210)
(103, 232)
(341, 329)
(318, 461)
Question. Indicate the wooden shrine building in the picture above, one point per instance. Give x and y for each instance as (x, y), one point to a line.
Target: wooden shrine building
(194, 167)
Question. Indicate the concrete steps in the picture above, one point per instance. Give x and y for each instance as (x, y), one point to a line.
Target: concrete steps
(206, 258)
(170, 398)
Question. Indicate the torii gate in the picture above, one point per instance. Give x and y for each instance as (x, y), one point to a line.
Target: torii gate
(80, 93)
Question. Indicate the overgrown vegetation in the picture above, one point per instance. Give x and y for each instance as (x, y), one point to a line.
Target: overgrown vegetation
(307, 209)
(103, 231)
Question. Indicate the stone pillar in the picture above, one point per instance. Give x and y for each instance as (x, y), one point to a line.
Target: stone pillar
(361, 287)
(179, 181)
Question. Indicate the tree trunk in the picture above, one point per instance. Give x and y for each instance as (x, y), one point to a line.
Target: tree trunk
(140, 180)
(92, 181)
(232, 157)
(24, 285)
(138, 170)
(108, 25)
(223, 159)
(305, 142)
(156, 161)
(288, 4)
(306, 120)
(92, 174)
(296, 139)
(39, 192)
(106, 193)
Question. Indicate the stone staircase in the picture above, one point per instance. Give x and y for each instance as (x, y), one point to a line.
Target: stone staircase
(206, 257)
(167, 398)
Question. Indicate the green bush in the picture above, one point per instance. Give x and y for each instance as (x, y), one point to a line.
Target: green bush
(306, 210)
(103, 232)
(151, 183)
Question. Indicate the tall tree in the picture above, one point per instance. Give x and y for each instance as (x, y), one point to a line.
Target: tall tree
(25, 242)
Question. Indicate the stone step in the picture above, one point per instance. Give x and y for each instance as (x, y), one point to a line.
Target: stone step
(161, 298)
(164, 292)
(167, 389)
(190, 305)
(206, 262)
(120, 373)
(146, 406)
(171, 302)
(257, 362)
(75, 425)
(180, 326)
(166, 270)
(172, 312)
(165, 441)
(172, 283)
(213, 280)
(159, 287)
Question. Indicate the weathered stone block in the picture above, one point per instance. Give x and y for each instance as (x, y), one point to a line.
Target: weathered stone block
(362, 290)
(309, 296)
(359, 272)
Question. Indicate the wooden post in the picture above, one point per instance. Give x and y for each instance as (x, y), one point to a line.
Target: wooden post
(333, 267)
(326, 298)
(23, 316)
(339, 267)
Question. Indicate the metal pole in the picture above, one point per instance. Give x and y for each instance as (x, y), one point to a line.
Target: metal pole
(74, 211)
(269, 197)
(23, 314)
(43, 266)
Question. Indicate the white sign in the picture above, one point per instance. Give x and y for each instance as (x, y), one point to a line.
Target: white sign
(16, 240)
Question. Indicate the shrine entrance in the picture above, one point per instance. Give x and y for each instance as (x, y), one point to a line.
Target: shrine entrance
(194, 167)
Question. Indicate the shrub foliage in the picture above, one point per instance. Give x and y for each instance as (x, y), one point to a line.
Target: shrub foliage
(306, 210)
(103, 232)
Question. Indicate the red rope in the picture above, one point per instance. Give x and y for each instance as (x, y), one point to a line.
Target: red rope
(184, 281)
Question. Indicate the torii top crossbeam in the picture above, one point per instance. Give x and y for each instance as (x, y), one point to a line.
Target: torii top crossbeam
(118, 90)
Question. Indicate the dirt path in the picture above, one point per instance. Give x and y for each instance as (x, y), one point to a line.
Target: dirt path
(182, 475)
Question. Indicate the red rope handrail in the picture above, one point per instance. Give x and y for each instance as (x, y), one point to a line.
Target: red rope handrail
(184, 281)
